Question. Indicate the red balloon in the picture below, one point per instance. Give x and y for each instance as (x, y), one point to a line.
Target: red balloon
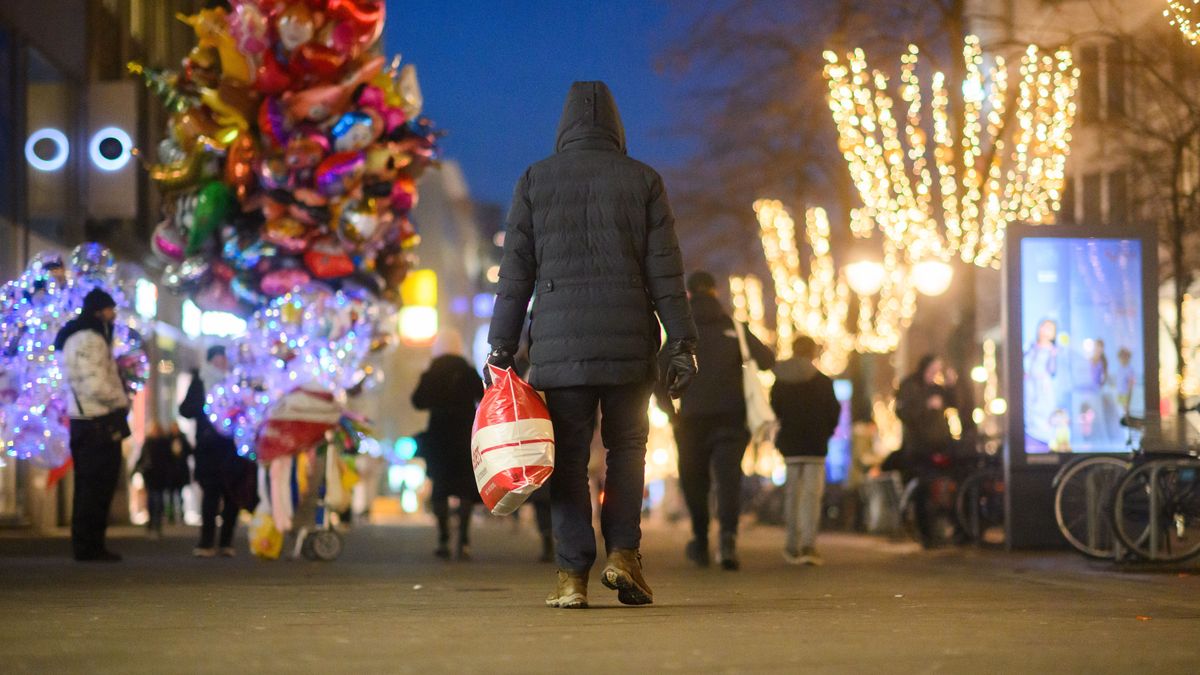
(271, 77)
(324, 61)
(326, 260)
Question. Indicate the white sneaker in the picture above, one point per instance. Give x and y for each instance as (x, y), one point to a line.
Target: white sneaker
(204, 552)
(792, 558)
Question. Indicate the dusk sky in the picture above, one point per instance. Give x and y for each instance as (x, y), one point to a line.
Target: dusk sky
(495, 74)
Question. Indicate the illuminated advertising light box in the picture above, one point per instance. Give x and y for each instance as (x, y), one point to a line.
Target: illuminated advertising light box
(1082, 328)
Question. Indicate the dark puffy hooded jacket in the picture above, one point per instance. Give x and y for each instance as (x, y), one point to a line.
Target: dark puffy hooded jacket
(807, 408)
(591, 231)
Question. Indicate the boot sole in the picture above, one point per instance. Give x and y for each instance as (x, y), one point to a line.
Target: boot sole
(628, 592)
(574, 601)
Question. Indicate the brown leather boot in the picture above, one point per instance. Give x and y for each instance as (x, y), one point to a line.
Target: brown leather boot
(624, 575)
(571, 592)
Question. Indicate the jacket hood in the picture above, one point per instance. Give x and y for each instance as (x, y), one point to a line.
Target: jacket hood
(795, 370)
(79, 324)
(590, 119)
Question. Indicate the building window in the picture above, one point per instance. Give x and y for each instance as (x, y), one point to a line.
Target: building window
(1114, 81)
(1066, 212)
(1118, 198)
(1093, 212)
(1089, 84)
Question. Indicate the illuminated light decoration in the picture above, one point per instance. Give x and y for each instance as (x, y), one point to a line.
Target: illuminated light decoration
(747, 296)
(420, 287)
(937, 197)
(932, 277)
(110, 148)
(145, 298)
(418, 325)
(997, 406)
(56, 161)
(819, 305)
(34, 398)
(979, 374)
(865, 276)
(816, 305)
(493, 274)
(1183, 14)
(482, 305)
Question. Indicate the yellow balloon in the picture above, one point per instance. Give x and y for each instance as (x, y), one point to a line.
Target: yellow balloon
(210, 28)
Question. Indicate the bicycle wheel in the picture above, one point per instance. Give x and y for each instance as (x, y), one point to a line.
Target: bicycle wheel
(1082, 504)
(1156, 510)
(980, 507)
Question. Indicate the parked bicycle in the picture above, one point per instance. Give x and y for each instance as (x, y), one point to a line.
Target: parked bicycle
(1156, 505)
(1145, 505)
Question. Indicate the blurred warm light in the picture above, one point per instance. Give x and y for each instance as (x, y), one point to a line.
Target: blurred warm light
(979, 374)
(932, 277)
(418, 325)
(1183, 14)
(493, 274)
(865, 276)
(998, 406)
(420, 288)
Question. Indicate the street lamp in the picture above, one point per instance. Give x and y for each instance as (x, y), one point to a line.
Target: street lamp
(865, 277)
(932, 277)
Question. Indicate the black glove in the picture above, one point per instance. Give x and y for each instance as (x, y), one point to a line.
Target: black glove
(502, 358)
(681, 366)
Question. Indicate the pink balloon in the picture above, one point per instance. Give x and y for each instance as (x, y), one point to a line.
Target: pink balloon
(279, 282)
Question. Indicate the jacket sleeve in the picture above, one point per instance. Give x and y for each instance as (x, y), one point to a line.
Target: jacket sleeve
(762, 354)
(92, 374)
(663, 267)
(192, 406)
(909, 403)
(518, 271)
(833, 407)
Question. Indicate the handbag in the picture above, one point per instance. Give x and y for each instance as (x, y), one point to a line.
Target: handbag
(760, 417)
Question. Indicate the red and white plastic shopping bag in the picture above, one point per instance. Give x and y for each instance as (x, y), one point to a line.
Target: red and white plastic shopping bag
(512, 443)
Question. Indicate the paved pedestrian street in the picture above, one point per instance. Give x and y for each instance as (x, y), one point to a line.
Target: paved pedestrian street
(387, 605)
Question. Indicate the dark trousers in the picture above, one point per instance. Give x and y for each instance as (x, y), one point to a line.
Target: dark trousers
(156, 504)
(711, 447)
(440, 502)
(624, 430)
(218, 500)
(97, 469)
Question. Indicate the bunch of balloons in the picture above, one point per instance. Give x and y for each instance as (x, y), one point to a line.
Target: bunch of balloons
(292, 154)
(33, 388)
(311, 337)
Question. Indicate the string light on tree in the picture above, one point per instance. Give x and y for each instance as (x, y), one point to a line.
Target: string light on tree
(1184, 15)
(818, 304)
(945, 197)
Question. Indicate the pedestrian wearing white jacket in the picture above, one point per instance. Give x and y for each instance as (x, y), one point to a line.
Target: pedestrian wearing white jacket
(98, 406)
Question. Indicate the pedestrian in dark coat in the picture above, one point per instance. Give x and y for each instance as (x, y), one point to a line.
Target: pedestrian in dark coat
(218, 468)
(927, 446)
(162, 461)
(98, 406)
(710, 428)
(450, 390)
(591, 238)
(808, 412)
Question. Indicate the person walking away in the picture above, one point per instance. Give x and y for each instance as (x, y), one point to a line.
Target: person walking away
(181, 474)
(217, 465)
(450, 390)
(156, 466)
(591, 230)
(921, 403)
(98, 407)
(808, 413)
(710, 428)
